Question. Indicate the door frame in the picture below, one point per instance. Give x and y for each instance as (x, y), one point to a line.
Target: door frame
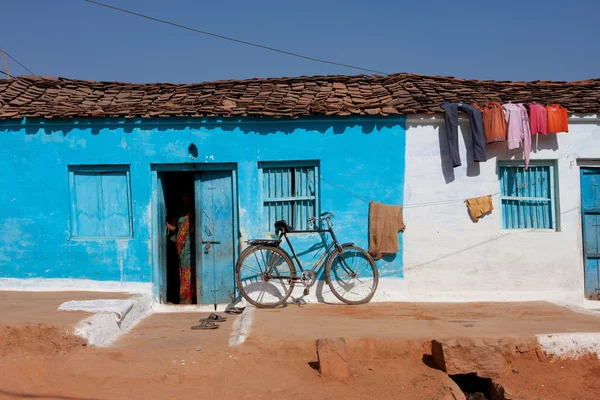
(584, 164)
(155, 169)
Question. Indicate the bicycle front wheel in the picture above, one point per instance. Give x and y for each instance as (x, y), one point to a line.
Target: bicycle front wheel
(265, 276)
(352, 275)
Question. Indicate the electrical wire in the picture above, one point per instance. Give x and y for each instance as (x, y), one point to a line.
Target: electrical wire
(15, 60)
(409, 205)
(343, 189)
(289, 53)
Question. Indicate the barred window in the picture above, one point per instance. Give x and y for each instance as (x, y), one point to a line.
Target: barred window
(527, 196)
(289, 192)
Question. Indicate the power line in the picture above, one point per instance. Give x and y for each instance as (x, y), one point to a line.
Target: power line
(15, 60)
(343, 189)
(405, 206)
(3, 73)
(233, 39)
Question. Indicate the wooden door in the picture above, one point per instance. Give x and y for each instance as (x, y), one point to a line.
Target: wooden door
(215, 255)
(590, 212)
(161, 240)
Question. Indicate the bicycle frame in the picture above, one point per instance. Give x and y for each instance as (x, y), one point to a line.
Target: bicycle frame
(323, 256)
(269, 261)
(320, 262)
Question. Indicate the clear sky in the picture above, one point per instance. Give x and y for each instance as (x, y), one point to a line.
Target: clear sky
(501, 40)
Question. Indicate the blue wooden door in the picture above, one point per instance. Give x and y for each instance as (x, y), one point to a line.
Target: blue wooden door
(590, 211)
(161, 241)
(215, 237)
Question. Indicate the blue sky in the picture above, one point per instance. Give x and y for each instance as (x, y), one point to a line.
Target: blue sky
(501, 40)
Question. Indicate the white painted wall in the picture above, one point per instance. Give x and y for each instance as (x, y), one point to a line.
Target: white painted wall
(448, 257)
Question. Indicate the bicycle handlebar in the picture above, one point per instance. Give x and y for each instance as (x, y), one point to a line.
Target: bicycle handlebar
(326, 216)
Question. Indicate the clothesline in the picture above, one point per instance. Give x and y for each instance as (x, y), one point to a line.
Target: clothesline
(513, 123)
(343, 189)
(435, 203)
(410, 205)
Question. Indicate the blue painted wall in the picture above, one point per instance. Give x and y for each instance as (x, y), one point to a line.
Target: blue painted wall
(360, 159)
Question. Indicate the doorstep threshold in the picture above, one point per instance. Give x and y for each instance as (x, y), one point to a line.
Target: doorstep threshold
(174, 308)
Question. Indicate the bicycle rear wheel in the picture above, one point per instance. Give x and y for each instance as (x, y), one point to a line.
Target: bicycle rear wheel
(352, 275)
(265, 276)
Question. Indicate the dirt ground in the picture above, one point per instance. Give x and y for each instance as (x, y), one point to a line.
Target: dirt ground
(162, 358)
(28, 308)
(422, 320)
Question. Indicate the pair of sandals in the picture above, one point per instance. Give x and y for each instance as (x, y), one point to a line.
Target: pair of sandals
(210, 322)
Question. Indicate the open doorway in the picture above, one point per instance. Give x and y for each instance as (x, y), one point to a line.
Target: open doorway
(205, 197)
(181, 243)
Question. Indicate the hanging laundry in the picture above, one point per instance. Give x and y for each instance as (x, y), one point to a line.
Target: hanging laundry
(558, 120)
(494, 124)
(538, 119)
(479, 206)
(518, 128)
(451, 125)
(384, 224)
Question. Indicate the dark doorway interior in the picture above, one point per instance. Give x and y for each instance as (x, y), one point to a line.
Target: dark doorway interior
(176, 184)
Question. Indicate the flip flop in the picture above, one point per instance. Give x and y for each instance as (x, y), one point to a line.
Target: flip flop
(215, 318)
(235, 310)
(205, 324)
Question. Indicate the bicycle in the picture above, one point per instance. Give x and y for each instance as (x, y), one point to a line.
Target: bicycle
(266, 273)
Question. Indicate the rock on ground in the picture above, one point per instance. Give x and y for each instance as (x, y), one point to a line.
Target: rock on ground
(332, 358)
(452, 387)
(485, 357)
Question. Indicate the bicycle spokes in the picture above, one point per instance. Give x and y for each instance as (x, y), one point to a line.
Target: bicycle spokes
(265, 276)
(352, 275)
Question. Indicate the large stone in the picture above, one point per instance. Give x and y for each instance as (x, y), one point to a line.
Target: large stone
(452, 387)
(500, 392)
(486, 358)
(331, 354)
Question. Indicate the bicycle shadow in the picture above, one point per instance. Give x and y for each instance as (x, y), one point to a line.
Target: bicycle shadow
(322, 292)
(254, 283)
(319, 288)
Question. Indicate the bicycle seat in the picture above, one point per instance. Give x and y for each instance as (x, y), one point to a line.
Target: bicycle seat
(283, 227)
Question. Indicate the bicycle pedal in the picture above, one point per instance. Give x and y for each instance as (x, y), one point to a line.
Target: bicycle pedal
(306, 291)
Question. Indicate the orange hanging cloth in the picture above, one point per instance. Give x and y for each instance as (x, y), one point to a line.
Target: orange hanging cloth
(494, 124)
(558, 120)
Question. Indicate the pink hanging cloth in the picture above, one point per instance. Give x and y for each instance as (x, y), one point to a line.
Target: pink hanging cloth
(518, 128)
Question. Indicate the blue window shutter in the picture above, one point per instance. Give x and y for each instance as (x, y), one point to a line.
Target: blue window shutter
(86, 208)
(115, 204)
(100, 203)
(289, 193)
(527, 196)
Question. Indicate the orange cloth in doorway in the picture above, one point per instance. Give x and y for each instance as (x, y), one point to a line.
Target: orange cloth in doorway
(479, 206)
(558, 120)
(384, 224)
(494, 124)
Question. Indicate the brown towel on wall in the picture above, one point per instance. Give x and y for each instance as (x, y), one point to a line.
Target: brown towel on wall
(479, 206)
(384, 224)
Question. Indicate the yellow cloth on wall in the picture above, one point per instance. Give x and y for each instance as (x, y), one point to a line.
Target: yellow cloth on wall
(479, 206)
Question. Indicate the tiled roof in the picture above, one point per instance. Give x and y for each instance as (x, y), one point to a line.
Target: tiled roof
(32, 96)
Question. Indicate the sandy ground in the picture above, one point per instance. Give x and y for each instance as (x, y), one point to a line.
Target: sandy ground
(162, 358)
(28, 308)
(421, 320)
